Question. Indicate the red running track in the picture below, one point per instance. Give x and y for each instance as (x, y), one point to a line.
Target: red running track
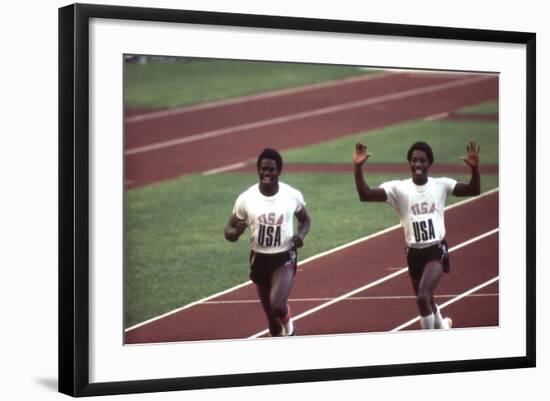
(382, 307)
(200, 139)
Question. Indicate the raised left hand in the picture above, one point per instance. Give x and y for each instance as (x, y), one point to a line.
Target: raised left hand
(472, 158)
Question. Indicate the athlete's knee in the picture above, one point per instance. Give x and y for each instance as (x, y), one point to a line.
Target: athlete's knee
(423, 299)
(279, 308)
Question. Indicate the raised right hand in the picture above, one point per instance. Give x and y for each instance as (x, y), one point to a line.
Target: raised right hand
(360, 155)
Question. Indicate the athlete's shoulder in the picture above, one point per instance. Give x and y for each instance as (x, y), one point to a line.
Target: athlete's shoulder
(290, 191)
(443, 181)
(400, 184)
(251, 191)
(283, 186)
(444, 185)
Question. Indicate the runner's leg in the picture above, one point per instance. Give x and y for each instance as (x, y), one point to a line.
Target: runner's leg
(415, 284)
(425, 294)
(264, 293)
(281, 284)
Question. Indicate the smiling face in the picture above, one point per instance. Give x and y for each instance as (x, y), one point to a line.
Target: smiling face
(419, 165)
(268, 173)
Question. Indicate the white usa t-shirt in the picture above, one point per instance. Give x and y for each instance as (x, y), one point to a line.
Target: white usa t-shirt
(270, 218)
(420, 208)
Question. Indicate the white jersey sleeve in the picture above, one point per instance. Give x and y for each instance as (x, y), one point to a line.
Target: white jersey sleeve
(392, 192)
(239, 209)
(299, 199)
(448, 184)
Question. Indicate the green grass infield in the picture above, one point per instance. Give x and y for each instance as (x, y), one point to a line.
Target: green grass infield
(188, 81)
(389, 145)
(482, 108)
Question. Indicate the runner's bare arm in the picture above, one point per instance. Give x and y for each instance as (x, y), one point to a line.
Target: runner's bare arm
(366, 194)
(304, 223)
(234, 228)
(473, 188)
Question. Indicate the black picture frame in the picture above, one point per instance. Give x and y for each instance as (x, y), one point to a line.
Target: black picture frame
(74, 191)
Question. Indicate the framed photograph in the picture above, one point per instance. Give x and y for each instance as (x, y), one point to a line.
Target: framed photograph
(177, 127)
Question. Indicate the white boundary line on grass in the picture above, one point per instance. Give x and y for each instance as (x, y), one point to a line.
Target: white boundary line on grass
(375, 283)
(334, 250)
(302, 115)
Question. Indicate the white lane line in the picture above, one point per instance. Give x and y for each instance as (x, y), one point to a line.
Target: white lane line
(439, 116)
(369, 298)
(264, 95)
(373, 284)
(333, 250)
(302, 115)
(223, 169)
(451, 301)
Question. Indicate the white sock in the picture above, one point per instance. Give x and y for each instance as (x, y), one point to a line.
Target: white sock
(438, 318)
(287, 323)
(288, 328)
(427, 322)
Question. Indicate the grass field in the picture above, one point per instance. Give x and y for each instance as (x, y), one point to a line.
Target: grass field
(174, 257)
(191, 81)
(389, 145)
(483, 108)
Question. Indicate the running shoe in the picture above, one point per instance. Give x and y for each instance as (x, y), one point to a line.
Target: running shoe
(447, 323)
(289, 329)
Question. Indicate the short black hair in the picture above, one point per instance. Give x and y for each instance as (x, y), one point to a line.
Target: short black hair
(423, 146)
(270, 154)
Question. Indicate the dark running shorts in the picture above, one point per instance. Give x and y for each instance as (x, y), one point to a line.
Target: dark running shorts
(418, 258)
(262, 265)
